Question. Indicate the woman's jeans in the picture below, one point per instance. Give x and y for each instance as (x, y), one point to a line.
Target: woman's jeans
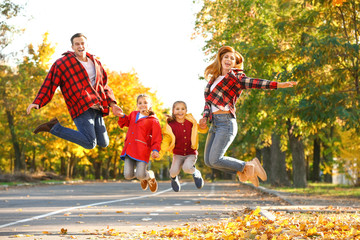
(91, 130)
(221, 134)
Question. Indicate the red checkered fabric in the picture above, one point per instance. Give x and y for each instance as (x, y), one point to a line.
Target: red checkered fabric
(229, 89)
(69, 74)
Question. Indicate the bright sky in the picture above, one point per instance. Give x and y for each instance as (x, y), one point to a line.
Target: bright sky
(152, 37)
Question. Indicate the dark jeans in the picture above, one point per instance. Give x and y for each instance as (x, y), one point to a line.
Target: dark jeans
(91, 130)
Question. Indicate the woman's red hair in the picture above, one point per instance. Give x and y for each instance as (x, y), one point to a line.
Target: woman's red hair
(215, 69)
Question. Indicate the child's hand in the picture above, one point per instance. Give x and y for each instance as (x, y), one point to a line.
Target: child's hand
(155, 154)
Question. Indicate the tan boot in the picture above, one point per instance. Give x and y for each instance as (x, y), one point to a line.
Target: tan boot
(254, 180)
(259, 170)
(248, 172)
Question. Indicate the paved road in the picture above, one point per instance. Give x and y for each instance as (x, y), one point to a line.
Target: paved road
(87, 209)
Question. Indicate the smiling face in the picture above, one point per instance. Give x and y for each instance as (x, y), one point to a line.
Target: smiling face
(79, 45)
(144, 105)
(179, 112)
(228, 61)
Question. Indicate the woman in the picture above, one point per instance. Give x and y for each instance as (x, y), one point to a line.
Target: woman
(226, 82)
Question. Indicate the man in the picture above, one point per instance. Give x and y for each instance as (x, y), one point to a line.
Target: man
(83, 83)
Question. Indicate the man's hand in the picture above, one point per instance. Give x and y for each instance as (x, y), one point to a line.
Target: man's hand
(117, 111)
(30, 107)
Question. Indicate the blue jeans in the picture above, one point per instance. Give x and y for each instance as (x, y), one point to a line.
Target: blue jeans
(91, 130)
(221, 134)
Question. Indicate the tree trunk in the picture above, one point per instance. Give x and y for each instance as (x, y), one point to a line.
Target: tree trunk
(315, 174)
(97, 168)
(279, 175)
(266, 157)
(33, 163)
(298, 156)
(114, 176)
(19, 164)
(328, 156)
(62, 166)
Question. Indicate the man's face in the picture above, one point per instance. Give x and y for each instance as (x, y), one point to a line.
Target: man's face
(79, 46)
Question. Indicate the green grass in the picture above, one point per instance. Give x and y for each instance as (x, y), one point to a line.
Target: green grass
(323, 189)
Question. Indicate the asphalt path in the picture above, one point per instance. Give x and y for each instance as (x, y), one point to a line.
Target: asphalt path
(87, 210)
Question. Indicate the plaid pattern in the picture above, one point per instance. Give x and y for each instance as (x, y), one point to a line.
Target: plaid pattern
(69, 74)
(229, 89)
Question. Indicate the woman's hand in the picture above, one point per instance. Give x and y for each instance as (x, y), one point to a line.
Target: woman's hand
(202, 122)
(286, 84)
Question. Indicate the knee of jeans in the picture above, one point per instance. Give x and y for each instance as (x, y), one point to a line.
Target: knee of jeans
(91, 144)
(104, 145)
(140, 175)
(128, 175)
(188, 168)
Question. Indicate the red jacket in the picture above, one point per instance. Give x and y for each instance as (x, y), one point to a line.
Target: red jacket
(68, 73)
(143, 136)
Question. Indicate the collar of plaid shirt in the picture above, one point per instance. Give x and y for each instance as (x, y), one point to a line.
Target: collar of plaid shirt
(225, 93)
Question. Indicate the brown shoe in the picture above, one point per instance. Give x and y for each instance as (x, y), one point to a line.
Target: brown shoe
(46, 127)
(152, 181)
(144, 184)
(153, 185)
(259, 170)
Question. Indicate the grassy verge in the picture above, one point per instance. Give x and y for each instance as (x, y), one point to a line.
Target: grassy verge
(323, 189)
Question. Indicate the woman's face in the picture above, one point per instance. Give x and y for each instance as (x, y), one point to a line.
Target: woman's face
(143, 105)
(227, 62)
(179, 111)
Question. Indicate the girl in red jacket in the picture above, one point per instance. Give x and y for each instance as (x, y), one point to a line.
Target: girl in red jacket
(143, 139)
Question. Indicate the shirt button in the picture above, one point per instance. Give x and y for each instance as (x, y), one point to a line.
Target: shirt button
(184, 130)
(185, 143)
(185, 149)
(185, 137)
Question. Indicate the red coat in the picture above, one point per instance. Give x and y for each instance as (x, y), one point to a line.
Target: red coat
(143, 136)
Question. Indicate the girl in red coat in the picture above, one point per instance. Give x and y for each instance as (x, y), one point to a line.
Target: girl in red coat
(143, 139)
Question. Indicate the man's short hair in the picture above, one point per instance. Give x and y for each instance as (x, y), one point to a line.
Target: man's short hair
(76, 36)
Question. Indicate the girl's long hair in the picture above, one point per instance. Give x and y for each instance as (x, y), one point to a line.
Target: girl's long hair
(215, 69)
(151, 112)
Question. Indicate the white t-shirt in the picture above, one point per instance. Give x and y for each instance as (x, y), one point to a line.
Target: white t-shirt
(90, 69)
(216, 82)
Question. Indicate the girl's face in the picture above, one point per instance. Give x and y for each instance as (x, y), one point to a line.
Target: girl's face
(179, 111)
(227, 62)
(144, 105)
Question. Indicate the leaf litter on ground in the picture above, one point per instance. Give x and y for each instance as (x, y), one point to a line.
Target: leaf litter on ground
(251, 224)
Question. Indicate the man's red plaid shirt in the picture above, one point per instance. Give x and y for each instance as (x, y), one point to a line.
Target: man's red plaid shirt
(69, 74)
(229, 89)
